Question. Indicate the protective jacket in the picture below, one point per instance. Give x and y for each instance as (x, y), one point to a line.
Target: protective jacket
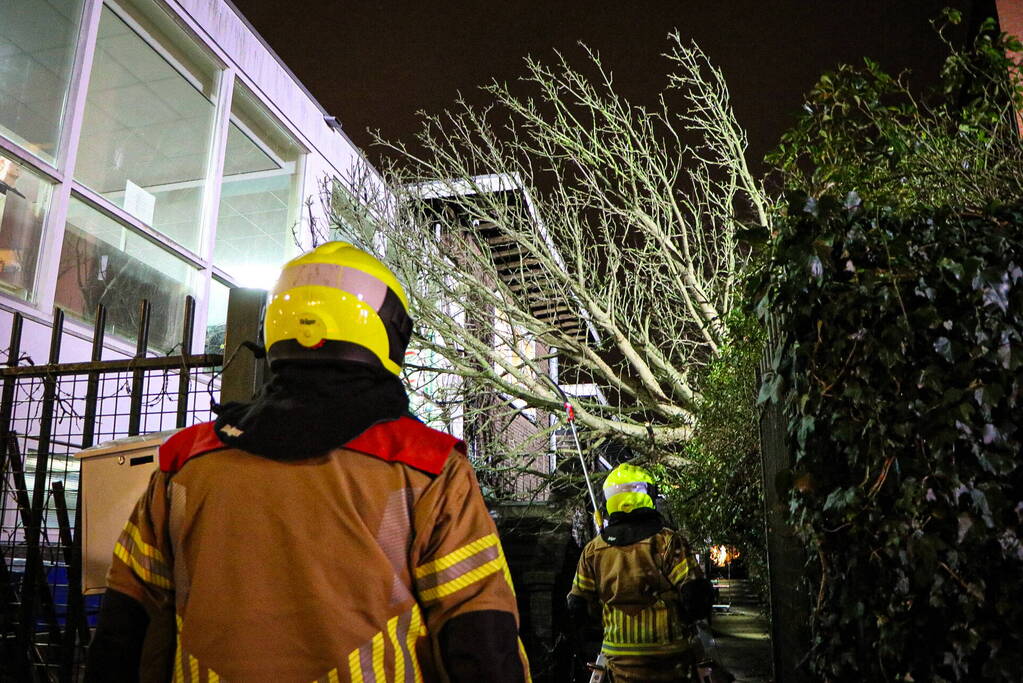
(635, 570)
(373, 562)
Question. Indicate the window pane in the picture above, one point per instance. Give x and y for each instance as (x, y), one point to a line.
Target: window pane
(216, 317)
(149, 118)
(260, 195)
(103, 262)
(37, 46)
(24, 200)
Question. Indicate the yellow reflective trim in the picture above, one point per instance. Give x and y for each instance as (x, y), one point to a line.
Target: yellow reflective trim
(584, 582)
(355, 667)
(507, 570)
(212, 677)
(378, 657)
(179, 671)
(147, 549)
(463, 581)
(525, 661)
(680, 571)
(415, 629)
(149, 577)
(399, 656)
(193, 666)
(457, 556)
(332, 676)
(613, 648)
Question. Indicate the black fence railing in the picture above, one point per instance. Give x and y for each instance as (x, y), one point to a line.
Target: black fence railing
(48, 413)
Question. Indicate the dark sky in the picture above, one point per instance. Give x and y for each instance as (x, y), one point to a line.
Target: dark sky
(375, 64)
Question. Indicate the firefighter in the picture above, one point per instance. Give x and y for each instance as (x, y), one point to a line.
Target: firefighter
(649, 589)
(318, 532)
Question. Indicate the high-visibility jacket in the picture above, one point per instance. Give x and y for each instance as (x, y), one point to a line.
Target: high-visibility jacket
(344, 567)
(637, 586)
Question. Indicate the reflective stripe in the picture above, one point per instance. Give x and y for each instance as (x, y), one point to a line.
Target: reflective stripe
(525, 661)
(431, 581)
(355, 667)
(584, 582)
(193, 667)
(399, 656)
(145, 560)
(132, 531)
(179, 670)
(463, 567)
(681, 571)
(610, 648)
(148, 574)
(652, 625)
(359, 284)
(463, 581)
(507, 571)
(368, 663)
(631, 487)
(457, 556)
(378, 658)
(212, 677)
(416, 629)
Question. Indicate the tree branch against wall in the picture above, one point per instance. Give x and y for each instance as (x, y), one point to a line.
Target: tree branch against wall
(623, 216)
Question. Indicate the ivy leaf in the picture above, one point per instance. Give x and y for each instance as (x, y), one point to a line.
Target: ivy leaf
(944, 348)
(965, 524)
(998, 295)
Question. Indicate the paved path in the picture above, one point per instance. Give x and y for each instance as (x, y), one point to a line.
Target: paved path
(742, 633)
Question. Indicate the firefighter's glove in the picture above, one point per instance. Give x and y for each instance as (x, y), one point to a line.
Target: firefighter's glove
(697, 600)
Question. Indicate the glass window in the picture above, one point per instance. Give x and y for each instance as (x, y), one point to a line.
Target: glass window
(103, 262)
(216, 317)
(24, 200)
(149, 119)
(37, 47)
(260, 196)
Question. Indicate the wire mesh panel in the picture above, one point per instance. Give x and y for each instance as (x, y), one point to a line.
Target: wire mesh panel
(49, 413)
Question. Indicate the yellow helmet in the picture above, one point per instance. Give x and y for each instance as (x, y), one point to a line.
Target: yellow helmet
(337, 303)
(629, 487)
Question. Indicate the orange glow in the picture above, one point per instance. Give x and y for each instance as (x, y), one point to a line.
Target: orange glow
(721, 555)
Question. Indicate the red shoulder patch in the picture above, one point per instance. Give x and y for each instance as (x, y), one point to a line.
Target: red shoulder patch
(189, 442)
(407, 441)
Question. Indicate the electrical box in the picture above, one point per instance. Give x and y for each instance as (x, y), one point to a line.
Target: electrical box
(114, 476)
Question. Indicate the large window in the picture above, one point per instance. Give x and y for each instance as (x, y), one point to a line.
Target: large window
(216, 316)
(260, 196)
(37, 46)
(103, 262)
(149, 119)
(24, 200)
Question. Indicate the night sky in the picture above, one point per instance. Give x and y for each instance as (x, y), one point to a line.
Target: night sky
(375, 64)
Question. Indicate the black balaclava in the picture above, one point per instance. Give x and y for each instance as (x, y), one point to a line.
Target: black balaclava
(309, 409)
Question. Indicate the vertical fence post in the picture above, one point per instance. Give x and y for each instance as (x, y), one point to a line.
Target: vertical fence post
(99, 331)
(36, 578)
(187, 330)
(74, 618)
(76, 628)
(7, 397)
(33, 525)
(16, 653)
(138, 378)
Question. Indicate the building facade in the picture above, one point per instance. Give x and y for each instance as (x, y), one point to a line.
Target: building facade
(148, 149)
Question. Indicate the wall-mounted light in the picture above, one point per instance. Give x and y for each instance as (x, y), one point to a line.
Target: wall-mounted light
(332, 122)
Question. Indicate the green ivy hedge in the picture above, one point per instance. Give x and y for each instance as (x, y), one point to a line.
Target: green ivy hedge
(899, 370)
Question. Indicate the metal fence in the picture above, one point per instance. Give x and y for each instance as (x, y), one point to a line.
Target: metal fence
(48, 413)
